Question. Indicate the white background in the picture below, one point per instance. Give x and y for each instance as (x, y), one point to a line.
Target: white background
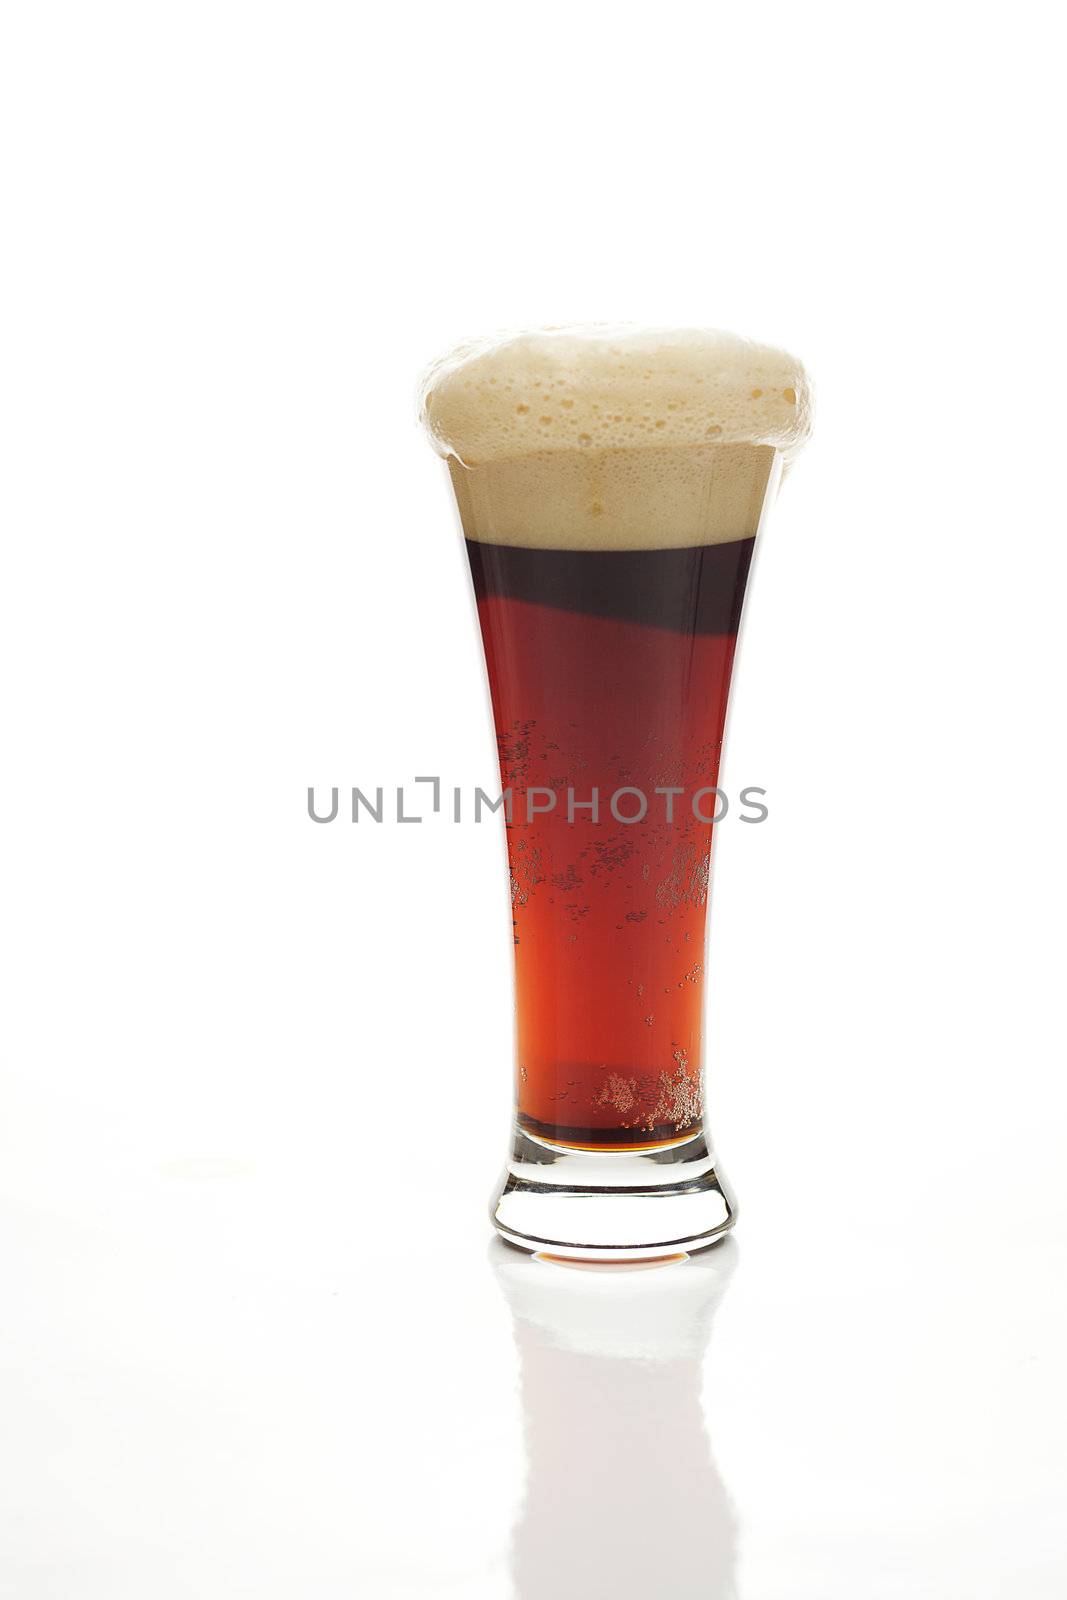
(251, 1341)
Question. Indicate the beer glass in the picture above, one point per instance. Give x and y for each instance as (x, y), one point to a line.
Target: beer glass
(611, 483)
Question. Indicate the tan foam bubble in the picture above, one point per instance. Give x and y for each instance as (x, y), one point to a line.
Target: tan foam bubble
(614, 437)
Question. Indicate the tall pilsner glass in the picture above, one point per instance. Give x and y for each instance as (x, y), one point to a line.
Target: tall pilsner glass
(611, 483)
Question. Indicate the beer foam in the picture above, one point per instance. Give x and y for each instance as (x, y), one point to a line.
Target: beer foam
(615, 437)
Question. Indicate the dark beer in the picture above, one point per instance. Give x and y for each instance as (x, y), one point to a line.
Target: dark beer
(609, 673)
(611, 484)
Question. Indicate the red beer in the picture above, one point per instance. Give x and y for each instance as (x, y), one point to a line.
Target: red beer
(609, 673)
(612, 483)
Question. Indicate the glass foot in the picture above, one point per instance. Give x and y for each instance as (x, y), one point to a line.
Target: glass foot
(611, 1205)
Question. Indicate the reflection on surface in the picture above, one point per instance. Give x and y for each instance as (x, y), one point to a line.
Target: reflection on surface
(623, 1498)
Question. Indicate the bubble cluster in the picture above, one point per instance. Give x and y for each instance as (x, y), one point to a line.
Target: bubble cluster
(612, 387)
(614, 437)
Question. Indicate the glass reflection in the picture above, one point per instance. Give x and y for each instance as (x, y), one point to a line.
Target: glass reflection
(622, 1497)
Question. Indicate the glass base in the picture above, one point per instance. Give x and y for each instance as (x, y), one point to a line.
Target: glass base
(612, 1205)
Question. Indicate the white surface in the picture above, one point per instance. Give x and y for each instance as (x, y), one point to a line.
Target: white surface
(251, 1342)
(219, 1381)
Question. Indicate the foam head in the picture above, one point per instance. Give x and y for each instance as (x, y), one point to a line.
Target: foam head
(612, 437)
